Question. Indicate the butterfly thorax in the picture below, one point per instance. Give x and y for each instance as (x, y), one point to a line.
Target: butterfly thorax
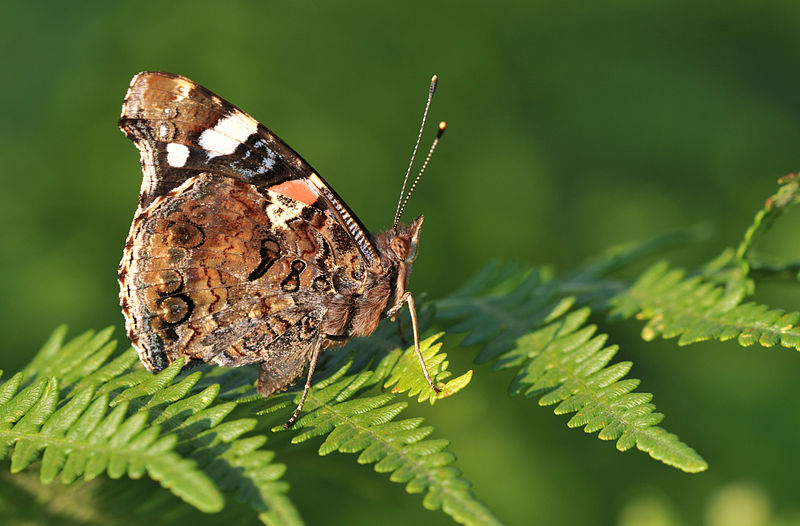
(358, 313)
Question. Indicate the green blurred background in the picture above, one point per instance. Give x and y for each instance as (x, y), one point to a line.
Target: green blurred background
(572, 126)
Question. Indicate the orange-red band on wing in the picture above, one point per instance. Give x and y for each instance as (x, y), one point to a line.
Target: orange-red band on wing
(297, 189)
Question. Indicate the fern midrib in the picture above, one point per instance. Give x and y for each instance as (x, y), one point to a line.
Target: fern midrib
(649, 302)
(578, 286)
(413, 458)
(46, 441)
(592, 393)
(647, 431)
(505, 321)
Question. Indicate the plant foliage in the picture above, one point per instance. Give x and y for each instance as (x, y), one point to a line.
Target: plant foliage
(369, 425)
(83, 410)
(530, 320)
(561, 359)
(107, 415)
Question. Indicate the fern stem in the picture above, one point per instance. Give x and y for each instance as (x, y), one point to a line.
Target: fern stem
(787, 195)
(789, 270)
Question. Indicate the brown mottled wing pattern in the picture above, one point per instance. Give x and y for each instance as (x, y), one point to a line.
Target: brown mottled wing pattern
(237, 246)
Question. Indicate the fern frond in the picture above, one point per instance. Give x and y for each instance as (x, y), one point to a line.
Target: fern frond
(75, 360)
(110, 443)
(559, 358)
(406, 372)
(566, 363)
(352, 420)
(696, 310)
(118, 421)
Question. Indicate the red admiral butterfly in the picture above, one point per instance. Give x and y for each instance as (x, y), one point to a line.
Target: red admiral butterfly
(239, 252)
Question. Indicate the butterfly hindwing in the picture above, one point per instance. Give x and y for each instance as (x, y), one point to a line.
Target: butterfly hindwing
(218, 271)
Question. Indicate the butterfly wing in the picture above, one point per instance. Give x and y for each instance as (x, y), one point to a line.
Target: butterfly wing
(237, 245)
(182, 129)
(217, 271)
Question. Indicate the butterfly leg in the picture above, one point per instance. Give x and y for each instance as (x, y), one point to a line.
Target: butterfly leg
(314, 357)
(407, 298)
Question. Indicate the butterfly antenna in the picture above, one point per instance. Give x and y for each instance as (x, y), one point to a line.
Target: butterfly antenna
(442, 128)
(431, 91)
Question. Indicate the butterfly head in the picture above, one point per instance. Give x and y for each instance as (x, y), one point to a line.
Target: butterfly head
(405, 240)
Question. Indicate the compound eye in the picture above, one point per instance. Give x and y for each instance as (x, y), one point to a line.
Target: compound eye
(401, 247)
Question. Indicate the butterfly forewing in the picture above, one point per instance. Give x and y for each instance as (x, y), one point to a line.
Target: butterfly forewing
(183, 129)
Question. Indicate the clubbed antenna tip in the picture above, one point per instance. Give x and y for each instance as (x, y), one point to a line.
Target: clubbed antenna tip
(442, 128)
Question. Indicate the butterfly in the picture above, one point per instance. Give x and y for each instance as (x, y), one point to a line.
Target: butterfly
(239, 252)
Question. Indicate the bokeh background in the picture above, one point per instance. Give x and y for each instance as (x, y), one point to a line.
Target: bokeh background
(573, 126)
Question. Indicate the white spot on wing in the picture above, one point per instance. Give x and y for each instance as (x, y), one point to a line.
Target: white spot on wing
(177, 154)
(227, 134)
